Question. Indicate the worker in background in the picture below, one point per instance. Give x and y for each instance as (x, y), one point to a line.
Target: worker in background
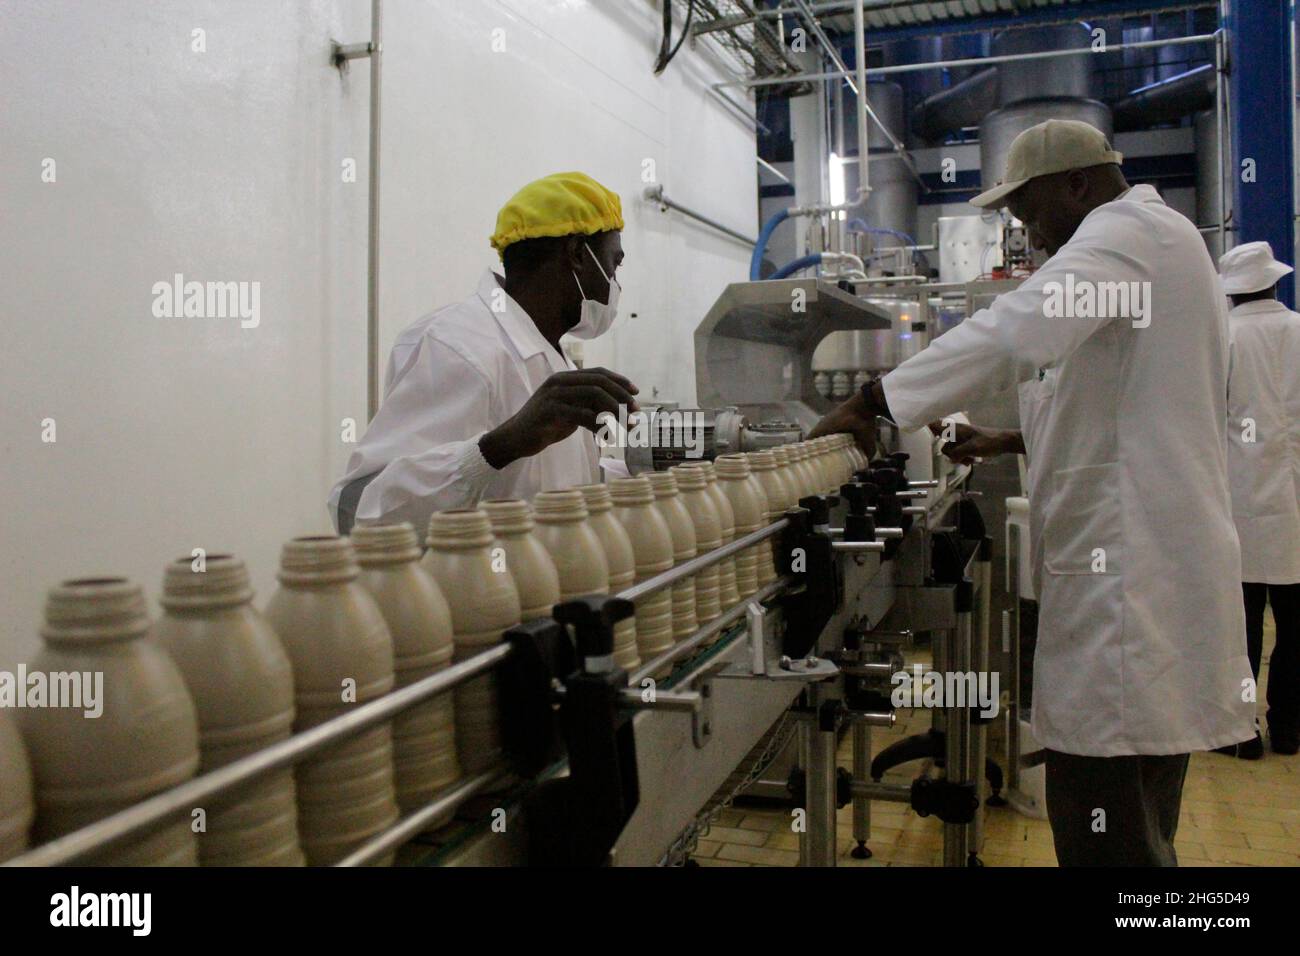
(1141, 653)
(480, 402)
(1264, 476)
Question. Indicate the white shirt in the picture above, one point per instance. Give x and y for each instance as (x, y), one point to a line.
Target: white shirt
(1264, 440)
(1141, 644)
(452, 376)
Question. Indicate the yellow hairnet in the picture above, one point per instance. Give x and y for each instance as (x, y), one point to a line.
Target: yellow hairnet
(563, 204)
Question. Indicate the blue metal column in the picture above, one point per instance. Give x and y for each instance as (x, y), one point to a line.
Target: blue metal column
(1263, 112)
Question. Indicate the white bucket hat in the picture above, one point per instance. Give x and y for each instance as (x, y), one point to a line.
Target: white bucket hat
(1053, 146)
(1250, 267)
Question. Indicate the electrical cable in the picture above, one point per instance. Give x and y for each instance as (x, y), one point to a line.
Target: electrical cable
(668, 26)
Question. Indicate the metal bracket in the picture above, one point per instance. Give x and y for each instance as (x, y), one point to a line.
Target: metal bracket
(698, 702)
(341, 53)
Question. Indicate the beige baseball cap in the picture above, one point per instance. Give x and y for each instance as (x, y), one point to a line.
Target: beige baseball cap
(1050, 147)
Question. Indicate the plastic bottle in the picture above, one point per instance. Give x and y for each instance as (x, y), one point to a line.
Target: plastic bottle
(17, 808)
(621, 561)
(342, 656)
(749, 504)
(652, 547)
(241, 681)
(484, 603)
(668, 502)
(693, 487)
(762, 465)
(419, 622)
(728, 595)
(536, 578)
(144, 740)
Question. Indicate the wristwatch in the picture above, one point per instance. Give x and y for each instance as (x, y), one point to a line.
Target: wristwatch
(873, 395)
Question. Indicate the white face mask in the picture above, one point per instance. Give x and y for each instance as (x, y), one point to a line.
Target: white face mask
(596, 317)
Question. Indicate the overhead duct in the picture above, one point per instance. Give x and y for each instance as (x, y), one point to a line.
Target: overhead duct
(961, 105)
(1167, 100)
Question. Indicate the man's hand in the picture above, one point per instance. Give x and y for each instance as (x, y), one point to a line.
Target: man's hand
(851, 417)
(971, 442)
(566, 402)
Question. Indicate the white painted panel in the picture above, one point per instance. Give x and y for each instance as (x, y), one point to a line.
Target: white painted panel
(226, 165)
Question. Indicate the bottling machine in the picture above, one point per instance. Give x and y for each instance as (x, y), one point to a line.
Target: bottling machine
(606, 767)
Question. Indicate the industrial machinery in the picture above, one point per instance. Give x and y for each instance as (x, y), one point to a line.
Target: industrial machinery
(610, 767)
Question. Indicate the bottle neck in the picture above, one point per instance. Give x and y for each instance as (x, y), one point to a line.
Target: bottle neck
(560, 507)
(597, 499)
(207, 583)
(385, 544)
(460, 530)
(509, 517)
(94, 611)
(305, 562)
(629, 492)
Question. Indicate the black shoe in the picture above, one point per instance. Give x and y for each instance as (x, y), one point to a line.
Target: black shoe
(1251, 749)
(1287, 746)
(1228, 751)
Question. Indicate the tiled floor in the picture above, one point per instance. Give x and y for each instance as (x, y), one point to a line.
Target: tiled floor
(1234, 813)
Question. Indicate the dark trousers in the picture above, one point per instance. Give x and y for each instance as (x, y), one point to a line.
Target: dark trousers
(1114, 811)
(1284, 666)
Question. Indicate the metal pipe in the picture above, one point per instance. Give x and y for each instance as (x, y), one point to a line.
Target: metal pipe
(414, 824)
(890, 792)
(149, 813)
(772, 169)
(656, 194)
(861, 770)
(719, 624)
(968, 61)
(372, 242)
(864, 143)
(1014, 544)
(697, 564)
(1218, 122)
(819, 786)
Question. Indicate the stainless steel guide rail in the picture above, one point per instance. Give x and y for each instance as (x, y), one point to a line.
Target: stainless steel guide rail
(207, 789)
(732, 690)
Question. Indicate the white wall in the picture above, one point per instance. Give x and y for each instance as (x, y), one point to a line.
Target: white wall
(226, 165)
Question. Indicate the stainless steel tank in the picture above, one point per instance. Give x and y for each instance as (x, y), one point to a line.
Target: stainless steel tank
(1207, 178)
(999, 128)
(1049, 76)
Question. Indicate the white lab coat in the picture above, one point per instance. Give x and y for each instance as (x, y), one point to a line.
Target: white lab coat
(1124, 431)
(1264, 472)
(452, 376)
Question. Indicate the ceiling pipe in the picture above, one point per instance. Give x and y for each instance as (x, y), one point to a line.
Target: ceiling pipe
(1167, 100)
(962, 104)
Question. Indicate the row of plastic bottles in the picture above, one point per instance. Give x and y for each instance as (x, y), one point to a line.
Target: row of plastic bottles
(213, 680)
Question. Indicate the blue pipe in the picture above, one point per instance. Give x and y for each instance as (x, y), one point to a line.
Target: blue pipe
(790, 268)
(858, 225)
(760, 247)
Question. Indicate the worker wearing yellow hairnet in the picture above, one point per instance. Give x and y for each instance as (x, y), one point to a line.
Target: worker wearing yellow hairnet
(479, 400)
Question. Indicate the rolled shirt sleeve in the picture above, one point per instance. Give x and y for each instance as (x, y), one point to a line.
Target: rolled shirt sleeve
(1001, 346)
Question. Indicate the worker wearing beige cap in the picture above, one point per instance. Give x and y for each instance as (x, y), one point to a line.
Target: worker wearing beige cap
(480, 401)
(1118, 345)
(1264, 475)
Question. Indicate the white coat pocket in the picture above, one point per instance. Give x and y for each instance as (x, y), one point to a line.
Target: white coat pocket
(1082, 531)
